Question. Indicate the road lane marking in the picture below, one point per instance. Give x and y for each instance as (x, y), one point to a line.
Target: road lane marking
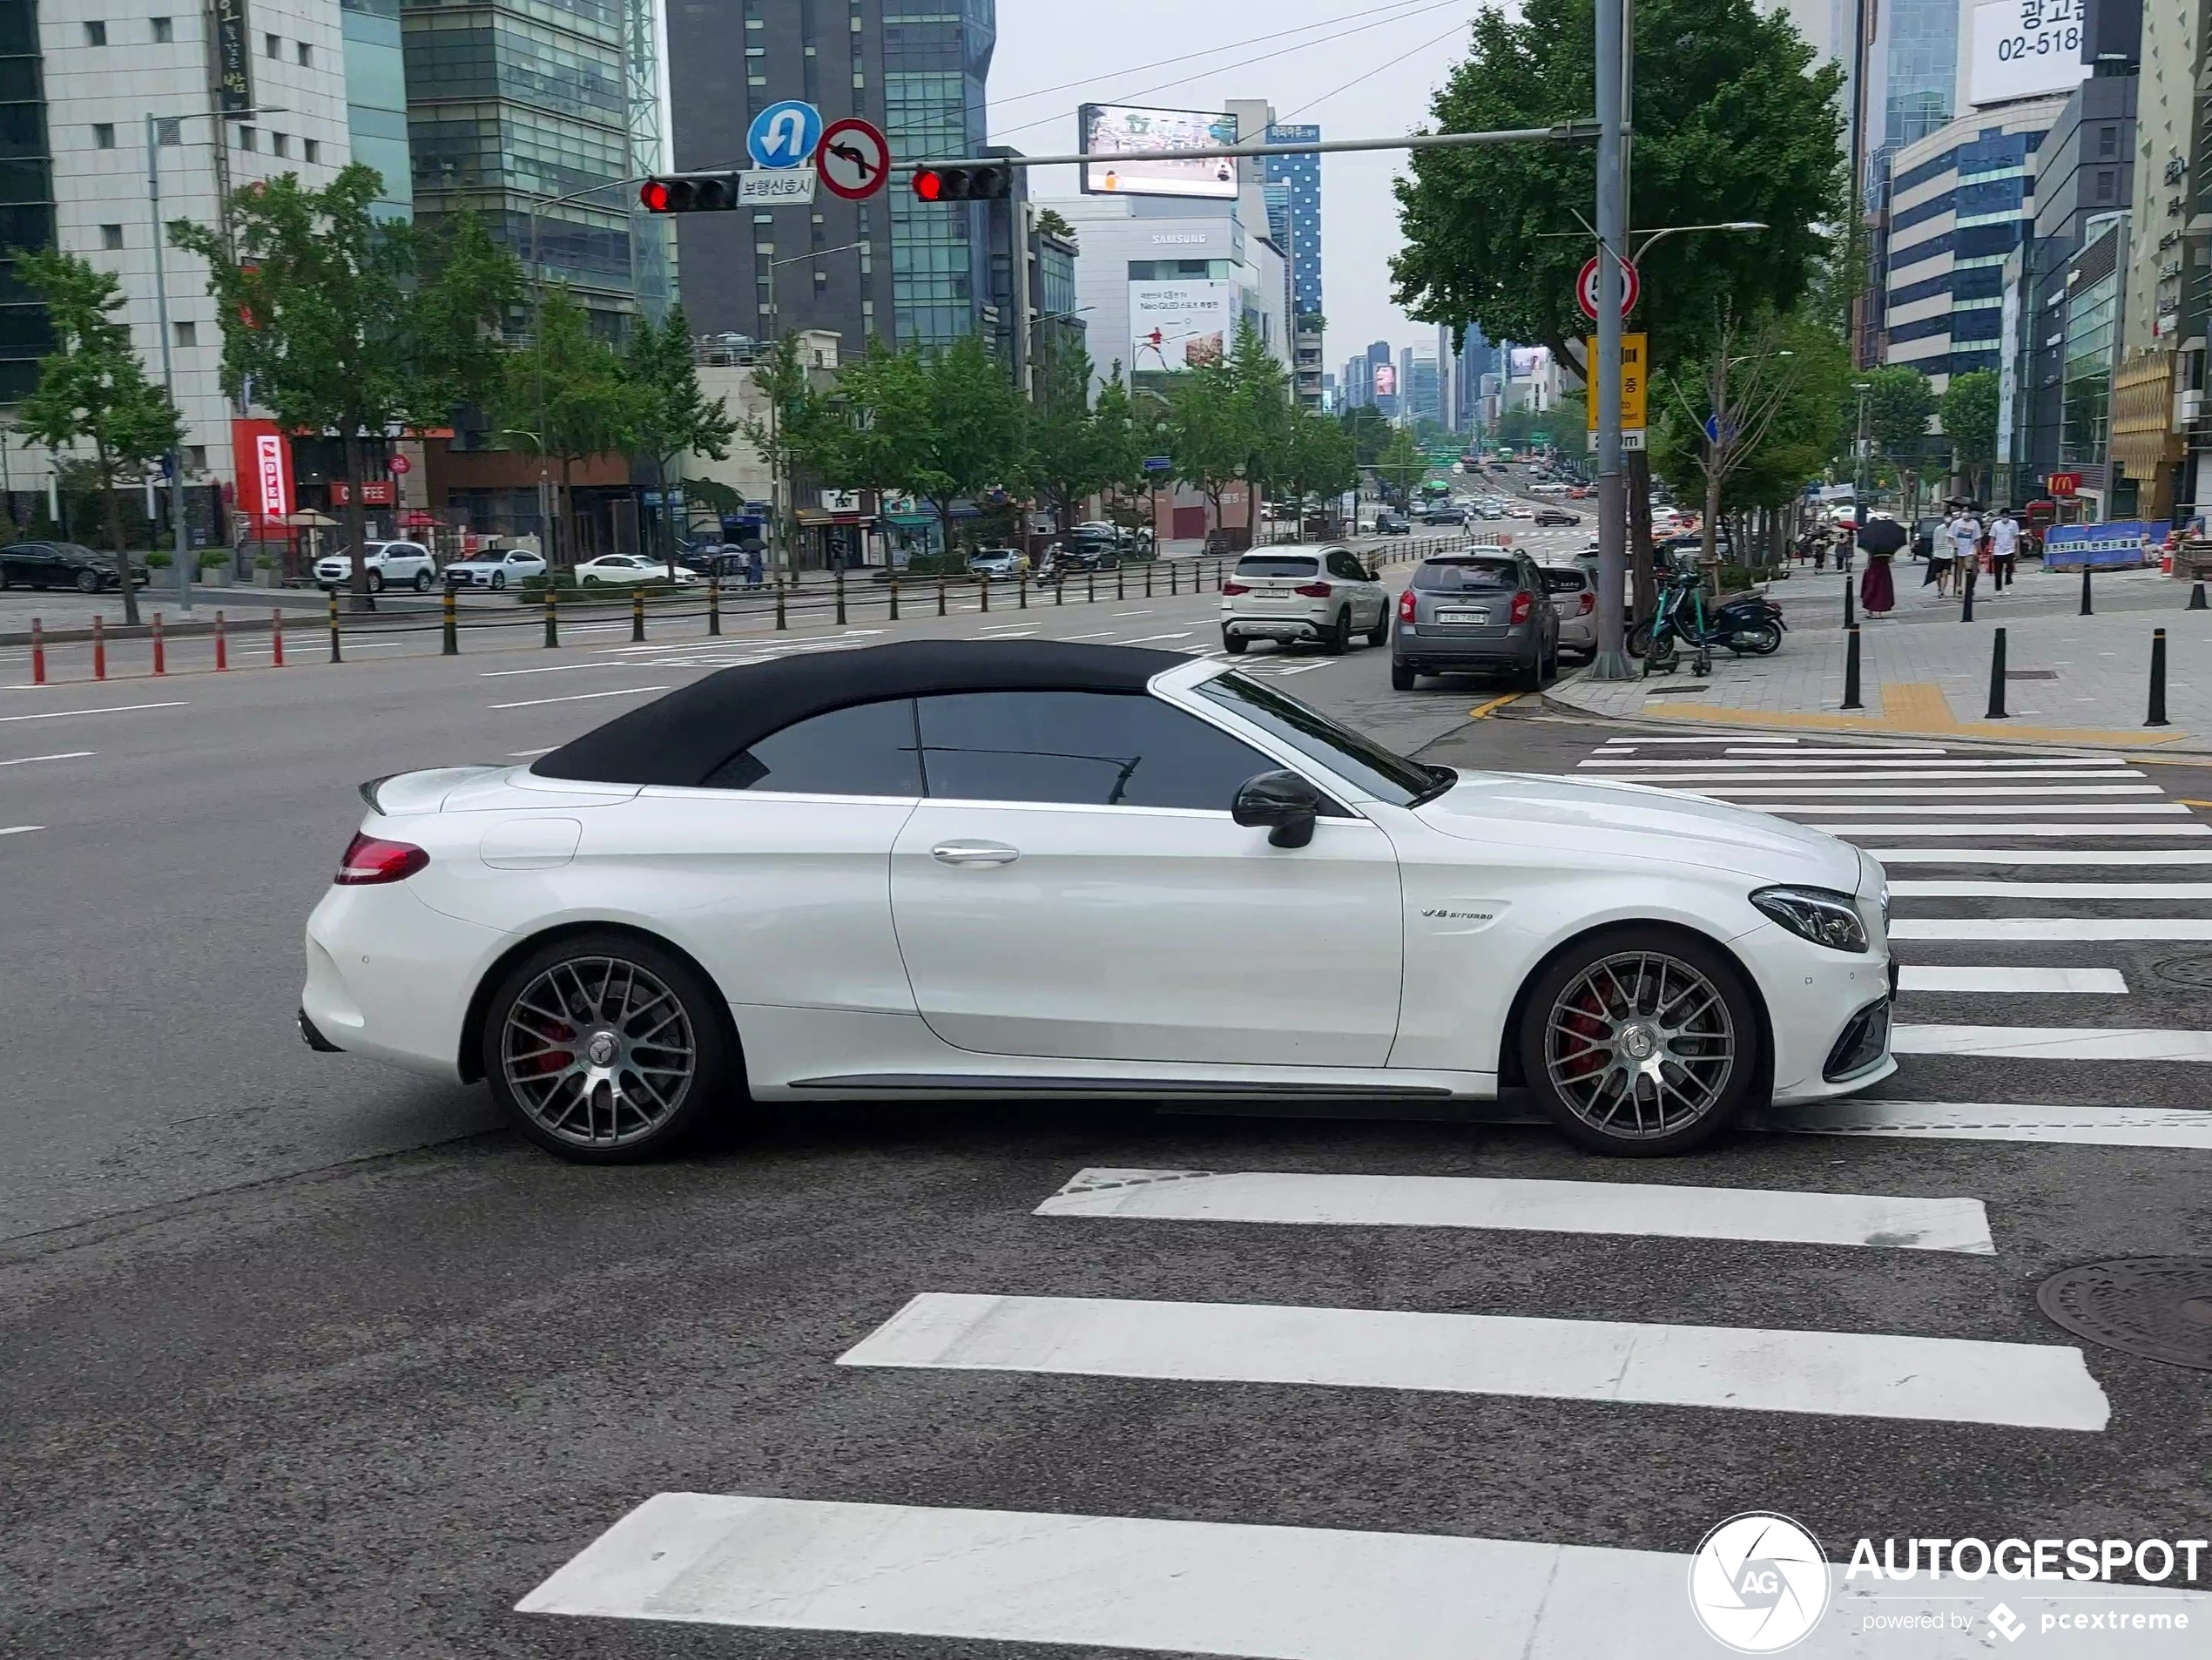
(1655, 1210)
(1096, 634)
(1619, 772)
(1481, 710)
(1939, 978)
(1995, 809)
(63, 755)
(2075, 832)
(1143, 613)
(526, 754)
(2101, 858)
(2054, 1042)
(1937, 766)
(1993, 1121)
(1146, 639)
(114, 709)
(579, 697)
(1926, 889)
(19, 829)
(2039, 792)
(548, 668)
(2052, 929)
(1950, 1380)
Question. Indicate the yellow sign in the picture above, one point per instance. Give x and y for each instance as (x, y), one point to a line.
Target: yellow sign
(1632, 372)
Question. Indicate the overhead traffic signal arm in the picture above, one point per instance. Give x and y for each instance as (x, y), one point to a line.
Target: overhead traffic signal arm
(690, 193)
(991, 184)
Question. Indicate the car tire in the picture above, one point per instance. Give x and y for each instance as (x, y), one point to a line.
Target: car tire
(88, 581)
(599, 1076)
(1338, 640)
(1580, 1026)
(590, 581)
(6, 581)
(421, 581)
(1233, 644)
(375, 582)
(498, 581)
(1402, 678)
(1379, 634)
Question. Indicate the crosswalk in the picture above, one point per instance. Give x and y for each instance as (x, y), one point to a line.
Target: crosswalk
(2025, 968)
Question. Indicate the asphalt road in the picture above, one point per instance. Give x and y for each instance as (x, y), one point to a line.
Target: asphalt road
(301, 1357)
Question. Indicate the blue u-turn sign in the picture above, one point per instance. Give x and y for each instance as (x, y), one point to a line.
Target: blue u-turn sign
(783, 135)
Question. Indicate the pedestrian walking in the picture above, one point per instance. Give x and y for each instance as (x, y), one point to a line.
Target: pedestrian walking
(1883, 539)
(1956, 549)
(2004, 549)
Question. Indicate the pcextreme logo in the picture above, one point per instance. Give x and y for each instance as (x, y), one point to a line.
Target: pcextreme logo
(1759, 1584)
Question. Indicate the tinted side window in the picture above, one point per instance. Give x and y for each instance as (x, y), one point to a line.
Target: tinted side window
(1558, 579)
(865, 750)
(1088, 748)
(1342, 565)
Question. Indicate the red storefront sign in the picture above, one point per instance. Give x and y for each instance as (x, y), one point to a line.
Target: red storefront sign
(2064, 483)
(263, 459)
(376, 492)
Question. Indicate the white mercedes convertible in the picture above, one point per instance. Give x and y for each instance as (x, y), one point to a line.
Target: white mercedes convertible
(1038, 869)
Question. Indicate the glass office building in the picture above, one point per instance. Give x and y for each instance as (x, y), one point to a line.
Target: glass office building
(934, 66)
(1922, 64)
(377, 99)
(26, 195)
(1293, 196)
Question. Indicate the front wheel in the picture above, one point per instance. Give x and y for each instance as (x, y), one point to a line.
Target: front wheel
(498, 580)
(88, 581)
(606, 1048)
(1640, 1042)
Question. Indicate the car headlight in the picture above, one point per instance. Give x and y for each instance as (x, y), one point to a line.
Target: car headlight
(1814, 913)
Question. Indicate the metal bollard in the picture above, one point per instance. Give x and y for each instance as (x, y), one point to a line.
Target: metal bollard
(1119, 591)
(1966, 597)
(1849, 618)
(2086, 609)
(1173, 574)
(984, 588)
(2157, 678)
(2197, 597)
(637, 615)
(1090, 587)
(37, 652)
(1148, 582)
(276, 636)
(782, 621)
(1060, 590)
(714, 605)
(99, 649)
(334, 656)
(222, 649)
(160, 657)
(1021, 590)
(452, 643)
(1997, 679)
(1851, 669)
(837, 581)
(552, 624)
(894, 595)
(941, 595)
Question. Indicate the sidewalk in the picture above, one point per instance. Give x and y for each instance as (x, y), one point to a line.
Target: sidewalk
(2069, 679)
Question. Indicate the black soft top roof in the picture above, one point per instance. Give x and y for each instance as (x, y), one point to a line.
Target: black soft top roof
(680, 739)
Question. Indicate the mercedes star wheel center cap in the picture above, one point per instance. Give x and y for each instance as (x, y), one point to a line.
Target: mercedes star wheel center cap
(1637, 1041)
(602, 1049)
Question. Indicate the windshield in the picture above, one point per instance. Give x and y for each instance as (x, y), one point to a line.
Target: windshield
(1374, 769)
(1563, 579)
(1461, 576)
(1276, 565)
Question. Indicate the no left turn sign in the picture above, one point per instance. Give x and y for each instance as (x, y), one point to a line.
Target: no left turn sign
(853, 159)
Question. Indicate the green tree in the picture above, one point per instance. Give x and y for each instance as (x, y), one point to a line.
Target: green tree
(1205, 431)
(1970, 422)
(1369, 430)
(566, 395)
(1901, 404)
(671, 417)
(93, 389)
(803, 431)
(1064, 459)
(1316, 460)
(1261, 388)
(347, 324)
(1401, 466)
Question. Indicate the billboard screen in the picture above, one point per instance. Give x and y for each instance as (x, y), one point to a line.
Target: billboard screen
(2024, 47)
(1111, 129)
(1180, 325)
(1386, 380)
(1526, 362)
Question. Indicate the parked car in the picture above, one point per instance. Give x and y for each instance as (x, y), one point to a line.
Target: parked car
(1544, 516)
(495, 568)
(997, 563)
(1475, 614)
(1390, 521)
(1294, 595)
(748, 890)
(390, 564)
(63, 564)
(1572, 591)
(627, 569)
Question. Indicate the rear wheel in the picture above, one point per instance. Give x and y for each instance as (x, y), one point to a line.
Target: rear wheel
(607, 1049)
(1640, 1042)
(1761, 639)
(1338, 640)
(1402, 678)
(1639, 639)
(375, 582)
(1233, 644)
(1379, 634)
(421, 581)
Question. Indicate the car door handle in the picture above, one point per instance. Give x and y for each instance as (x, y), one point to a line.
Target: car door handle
(973, 853)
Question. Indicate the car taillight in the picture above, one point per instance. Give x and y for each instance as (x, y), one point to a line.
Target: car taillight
(1235, 588)
(1405, 613)
(1313, 590)
(1521, 602)
(1587, 605)
(371, 859)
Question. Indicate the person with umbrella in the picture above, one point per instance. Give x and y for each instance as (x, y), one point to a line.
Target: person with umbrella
(1881, 540)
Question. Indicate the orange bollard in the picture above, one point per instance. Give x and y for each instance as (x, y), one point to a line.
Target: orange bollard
(99, 650)
(160, 662)
(276, 636)
(37, 652)
(222, 654)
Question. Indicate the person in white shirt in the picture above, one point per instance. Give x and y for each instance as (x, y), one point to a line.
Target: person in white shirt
(1964, 532)
(2004, 548)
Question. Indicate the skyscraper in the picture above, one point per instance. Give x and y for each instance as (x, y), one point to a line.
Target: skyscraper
(1294, 215)
(907, 270)
(1920, 49)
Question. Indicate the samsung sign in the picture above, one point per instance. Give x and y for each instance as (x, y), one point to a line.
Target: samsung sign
(2024, 48)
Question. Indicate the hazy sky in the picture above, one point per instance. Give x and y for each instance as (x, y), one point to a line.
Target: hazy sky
(1359, 71)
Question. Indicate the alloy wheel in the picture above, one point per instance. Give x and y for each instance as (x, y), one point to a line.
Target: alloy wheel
(1640, 1045)
(598, 1052)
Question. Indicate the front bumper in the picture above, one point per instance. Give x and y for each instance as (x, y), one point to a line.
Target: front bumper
(1828, 1011)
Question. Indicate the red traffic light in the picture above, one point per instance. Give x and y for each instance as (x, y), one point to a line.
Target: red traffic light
(963, 183)
(654, 195)
(690, 193)
(929, 184)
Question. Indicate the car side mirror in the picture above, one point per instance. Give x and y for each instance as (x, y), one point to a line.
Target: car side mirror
(1281, 800)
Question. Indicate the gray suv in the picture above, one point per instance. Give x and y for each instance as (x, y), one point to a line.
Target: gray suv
(1479, 613)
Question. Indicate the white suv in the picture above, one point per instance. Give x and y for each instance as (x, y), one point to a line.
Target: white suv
(1295, 593)
(391, 564)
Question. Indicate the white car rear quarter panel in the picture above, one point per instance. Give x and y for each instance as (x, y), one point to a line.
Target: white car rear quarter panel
(389, 977)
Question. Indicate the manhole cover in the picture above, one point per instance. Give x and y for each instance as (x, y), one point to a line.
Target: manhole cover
(2157, 1307)
(2186, 971)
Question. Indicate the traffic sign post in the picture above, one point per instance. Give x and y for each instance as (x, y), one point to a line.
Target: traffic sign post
(1586, 287)
(784, 134)
(853, 159)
